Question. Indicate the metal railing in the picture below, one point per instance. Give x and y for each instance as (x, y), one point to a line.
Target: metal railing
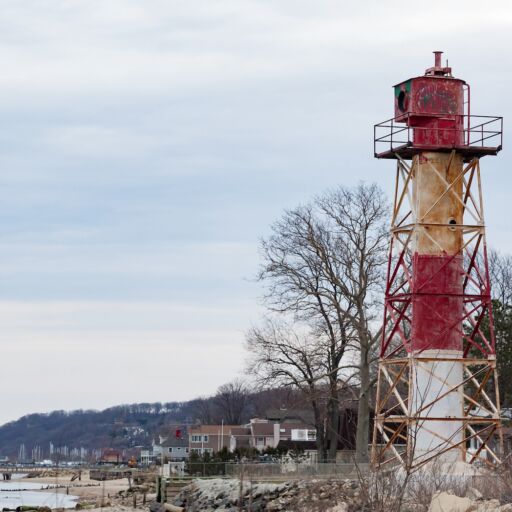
(485, 132)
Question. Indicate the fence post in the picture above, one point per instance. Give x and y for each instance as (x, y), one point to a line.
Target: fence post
(158, 489)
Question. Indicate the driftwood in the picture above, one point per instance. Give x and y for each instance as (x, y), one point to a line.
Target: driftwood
(165, 507)
(172, 508)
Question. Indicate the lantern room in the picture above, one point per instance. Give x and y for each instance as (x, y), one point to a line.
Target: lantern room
(432, 113)
(433, 105)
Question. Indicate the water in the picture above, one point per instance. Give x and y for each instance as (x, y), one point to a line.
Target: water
(16, 493)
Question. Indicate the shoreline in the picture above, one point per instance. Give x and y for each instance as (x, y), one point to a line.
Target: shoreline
(108, 495)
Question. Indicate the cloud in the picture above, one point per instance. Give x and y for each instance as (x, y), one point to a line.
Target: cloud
(145, 148)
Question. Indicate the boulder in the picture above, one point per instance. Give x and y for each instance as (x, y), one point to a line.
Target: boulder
(340, 507)
(487, 506)
(474, 494)
(444, 502)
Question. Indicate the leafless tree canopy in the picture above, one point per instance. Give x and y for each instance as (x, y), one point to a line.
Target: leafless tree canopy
(231, 400)
(323, 268)
(500, 270)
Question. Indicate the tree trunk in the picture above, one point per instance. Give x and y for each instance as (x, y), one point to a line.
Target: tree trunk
(363, 411)
(332, 425)
(320, 435)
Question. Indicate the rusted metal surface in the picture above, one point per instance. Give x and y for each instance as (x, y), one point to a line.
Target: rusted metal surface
(437, 297)
(433, 105)
(437, 258)
(433, 113)
(482, 136)
(436, 303)
(437, 388)
(429, 96)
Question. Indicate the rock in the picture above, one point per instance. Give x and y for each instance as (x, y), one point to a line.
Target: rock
(488, 506)
(312, 495)
(506, 508)
(444, 502)
(474, 494)
(340, 507)
(155, 507)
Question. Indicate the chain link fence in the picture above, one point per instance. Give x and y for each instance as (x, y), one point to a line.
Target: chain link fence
(292, 470)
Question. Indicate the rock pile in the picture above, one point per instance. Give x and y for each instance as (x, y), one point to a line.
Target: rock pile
(304, 495)
(472, 502)
(316, 496)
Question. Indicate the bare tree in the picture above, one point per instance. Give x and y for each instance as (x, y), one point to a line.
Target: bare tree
(360, 219)
(500, 270)
(323, 266)
(231, 401)
(281, 356)
(203, 410)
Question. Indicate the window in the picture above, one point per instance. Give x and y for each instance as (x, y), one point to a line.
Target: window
(208, 450)
(195, 450)
(170, 450)
(186, 450)
(198, 438)
(260, 440)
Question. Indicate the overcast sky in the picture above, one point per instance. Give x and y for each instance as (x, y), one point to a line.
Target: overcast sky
(146, 147)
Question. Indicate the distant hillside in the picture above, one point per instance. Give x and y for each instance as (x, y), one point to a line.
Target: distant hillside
(75, 433)
(83, 434)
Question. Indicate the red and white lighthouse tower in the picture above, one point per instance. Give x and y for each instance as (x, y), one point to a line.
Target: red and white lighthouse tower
(437, 390)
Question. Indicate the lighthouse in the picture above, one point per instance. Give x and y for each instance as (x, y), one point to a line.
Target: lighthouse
(437, 393)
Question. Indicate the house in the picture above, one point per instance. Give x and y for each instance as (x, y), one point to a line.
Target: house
(240, 437)
(173, 445)
(262, 434)
(209, 438)
(347, 420)
(111, 456)
(175, 449)
(146, 457)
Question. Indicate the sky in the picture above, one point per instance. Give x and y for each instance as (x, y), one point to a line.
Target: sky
(147, 146)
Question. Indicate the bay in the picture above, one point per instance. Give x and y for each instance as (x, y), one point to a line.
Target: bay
(16, 493)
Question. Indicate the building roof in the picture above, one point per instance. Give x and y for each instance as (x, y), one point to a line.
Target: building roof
(173, 442)
(111, 451)
(280, 415)
(262, 429)
(170, 429)
(211, 429)
(170, 439)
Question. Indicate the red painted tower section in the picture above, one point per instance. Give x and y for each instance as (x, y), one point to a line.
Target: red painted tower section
(436, 302)
(437, 390)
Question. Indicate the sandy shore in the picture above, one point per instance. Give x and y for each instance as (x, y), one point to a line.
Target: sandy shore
(91, 492)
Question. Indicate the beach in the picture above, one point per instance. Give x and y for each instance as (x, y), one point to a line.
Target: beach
(87, 493)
